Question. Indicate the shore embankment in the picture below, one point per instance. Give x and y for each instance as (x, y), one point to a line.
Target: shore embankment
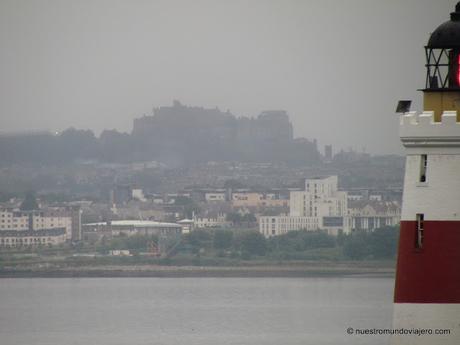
(306, 269)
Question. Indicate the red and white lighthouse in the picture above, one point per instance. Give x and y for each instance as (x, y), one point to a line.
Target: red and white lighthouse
(427, 289)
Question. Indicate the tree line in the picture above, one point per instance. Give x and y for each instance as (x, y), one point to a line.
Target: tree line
(379, 244)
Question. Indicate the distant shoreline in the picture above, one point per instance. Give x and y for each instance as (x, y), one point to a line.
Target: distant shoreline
(156, 271)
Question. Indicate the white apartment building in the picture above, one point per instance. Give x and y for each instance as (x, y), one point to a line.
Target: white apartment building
(320, 198)
(321, 206)
(210, 221)
(255, 199)
(273, 226)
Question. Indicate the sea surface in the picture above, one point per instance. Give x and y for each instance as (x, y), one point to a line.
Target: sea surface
(192, 311)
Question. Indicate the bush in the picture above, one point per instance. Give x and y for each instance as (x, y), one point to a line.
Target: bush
(298, 241)
(381, 243)
(317, 239)
(355, 246)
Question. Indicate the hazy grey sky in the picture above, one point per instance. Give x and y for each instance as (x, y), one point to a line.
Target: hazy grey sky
(337, 67)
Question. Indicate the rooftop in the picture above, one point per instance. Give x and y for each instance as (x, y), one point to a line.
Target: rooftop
(136, 223)
(447, 35)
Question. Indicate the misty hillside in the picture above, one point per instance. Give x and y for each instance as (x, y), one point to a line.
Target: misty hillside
(174, 135)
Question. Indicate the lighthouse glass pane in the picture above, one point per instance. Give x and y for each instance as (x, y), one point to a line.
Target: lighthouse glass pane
(423, 166)
(458, 70)
(419, 231)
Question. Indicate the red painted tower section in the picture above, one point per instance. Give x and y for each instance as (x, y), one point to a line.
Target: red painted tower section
(430, 274)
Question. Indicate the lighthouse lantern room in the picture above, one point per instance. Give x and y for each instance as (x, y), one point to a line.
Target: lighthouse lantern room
(442, 86)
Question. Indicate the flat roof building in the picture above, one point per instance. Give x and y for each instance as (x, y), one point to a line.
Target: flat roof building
(134, 227)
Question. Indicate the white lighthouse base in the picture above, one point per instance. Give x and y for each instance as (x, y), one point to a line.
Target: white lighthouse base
(441, 322)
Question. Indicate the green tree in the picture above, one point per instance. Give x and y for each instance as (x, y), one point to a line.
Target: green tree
(355, 246)
(249, 218)
(234, 217)
(199, 239)
(30, 202)
(238, 219)
(317, 239)
(222, 239)
(383, 242)
(133, 243)
(188, 205)
(254, 243)
(181, 200)
(301, 240)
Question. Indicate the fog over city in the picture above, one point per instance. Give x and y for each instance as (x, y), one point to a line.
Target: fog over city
(229, 172)
(337, 67)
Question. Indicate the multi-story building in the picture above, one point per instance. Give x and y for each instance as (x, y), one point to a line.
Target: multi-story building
(257, 199)
(320, 197)
(278, 225)
(48, 225)
(370, 215)
(321, 206)
(14, 238)
(387, 194)
(210, 221)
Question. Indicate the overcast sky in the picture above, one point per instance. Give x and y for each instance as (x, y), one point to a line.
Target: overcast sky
(337, 67)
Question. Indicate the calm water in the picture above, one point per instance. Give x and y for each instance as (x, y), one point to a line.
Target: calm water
(193, 311)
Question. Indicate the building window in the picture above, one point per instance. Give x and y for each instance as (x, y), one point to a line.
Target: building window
(420, 224)
(423, 165)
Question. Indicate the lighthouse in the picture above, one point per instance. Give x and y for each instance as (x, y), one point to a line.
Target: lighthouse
(427, 288)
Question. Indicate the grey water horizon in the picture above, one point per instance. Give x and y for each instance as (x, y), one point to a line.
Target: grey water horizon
(173, 311)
